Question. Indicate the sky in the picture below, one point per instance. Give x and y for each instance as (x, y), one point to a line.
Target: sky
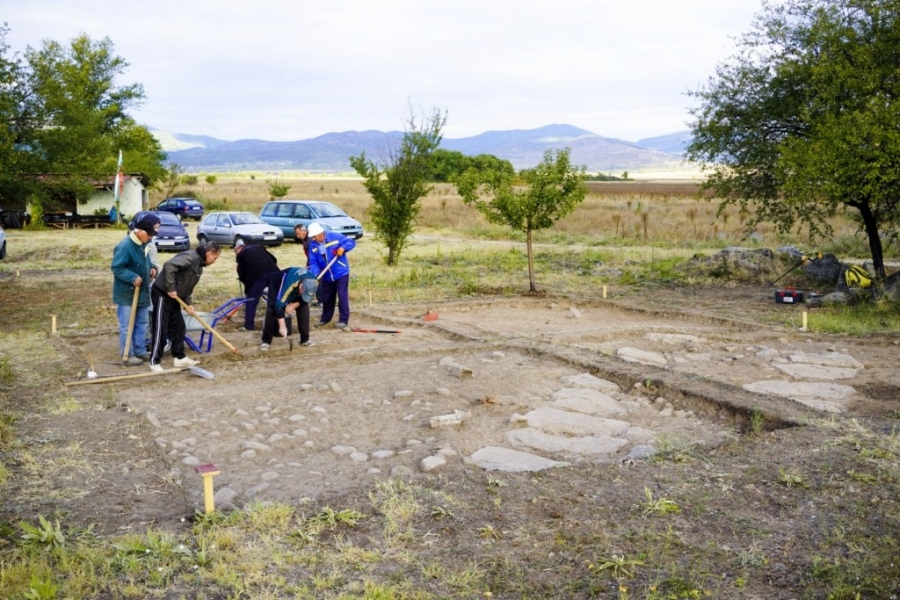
(296, 69)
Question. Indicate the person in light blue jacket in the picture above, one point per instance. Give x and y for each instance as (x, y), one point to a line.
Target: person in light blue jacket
(328, 262)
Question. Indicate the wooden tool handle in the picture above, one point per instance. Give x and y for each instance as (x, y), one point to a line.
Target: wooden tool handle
(134, 301)
(207, 327)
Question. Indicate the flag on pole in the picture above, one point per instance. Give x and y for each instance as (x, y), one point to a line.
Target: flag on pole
(118, 185)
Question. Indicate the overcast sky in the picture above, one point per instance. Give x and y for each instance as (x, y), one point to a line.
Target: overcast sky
(294, 69)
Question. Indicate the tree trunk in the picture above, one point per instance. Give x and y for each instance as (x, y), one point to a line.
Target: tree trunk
(865, 211)
(532, 287)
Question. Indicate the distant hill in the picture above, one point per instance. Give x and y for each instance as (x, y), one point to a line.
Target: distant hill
(331, 152)
(674, 143)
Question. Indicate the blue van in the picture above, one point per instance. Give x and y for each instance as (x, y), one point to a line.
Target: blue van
(285, 214)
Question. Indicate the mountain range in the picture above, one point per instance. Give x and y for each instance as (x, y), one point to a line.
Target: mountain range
(330, 153)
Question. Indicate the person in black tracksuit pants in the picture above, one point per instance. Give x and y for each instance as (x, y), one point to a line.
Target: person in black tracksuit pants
(178, 278)
(255, 265)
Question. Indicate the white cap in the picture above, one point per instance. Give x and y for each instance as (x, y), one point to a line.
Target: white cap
(315, 229)
(238, 243)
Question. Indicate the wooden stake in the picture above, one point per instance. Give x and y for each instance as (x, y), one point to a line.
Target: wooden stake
(604, 291)
(52, 324)
(208, 471)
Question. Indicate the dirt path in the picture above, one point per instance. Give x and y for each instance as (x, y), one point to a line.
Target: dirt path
(322, 421)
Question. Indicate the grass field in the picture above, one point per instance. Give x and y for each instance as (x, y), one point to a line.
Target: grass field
(778, 513)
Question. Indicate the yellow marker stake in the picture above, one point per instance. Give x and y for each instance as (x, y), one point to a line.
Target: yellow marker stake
(53, 324)
(208, 472)
(803, 316)
(604, 291)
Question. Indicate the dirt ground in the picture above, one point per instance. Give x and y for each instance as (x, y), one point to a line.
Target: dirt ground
(326, 420)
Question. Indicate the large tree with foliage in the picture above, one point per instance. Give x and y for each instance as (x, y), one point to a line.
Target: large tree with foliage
(804, 121)
(448, 165)
(551, 190)
(397, 185)
(65, 114)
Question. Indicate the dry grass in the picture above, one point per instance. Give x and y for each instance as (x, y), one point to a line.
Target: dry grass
(657, 213)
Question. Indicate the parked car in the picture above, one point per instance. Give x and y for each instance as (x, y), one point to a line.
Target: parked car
(182, 208)
(229, 227)
(285, 214)
(172, 235)
(2, 244)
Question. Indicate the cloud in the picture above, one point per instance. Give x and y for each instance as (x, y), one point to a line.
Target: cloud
(283, 70)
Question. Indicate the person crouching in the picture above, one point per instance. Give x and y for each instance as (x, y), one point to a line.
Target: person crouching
(290, 291)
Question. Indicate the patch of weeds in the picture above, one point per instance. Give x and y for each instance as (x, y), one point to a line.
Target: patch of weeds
(7, 375)
(875, 452)
(41, 589)
(45, 534)
(791, 479)
(7, 429)
(330, 518)
(659, 506)
(439, 513)
(756, 419)
(66, 405)
(616, 565)
(866, 478)
(488, 532)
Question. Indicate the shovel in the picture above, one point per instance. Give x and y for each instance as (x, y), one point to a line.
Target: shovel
(131, 318)
(194, 371)
(207, 327)
(359, 330)
(327, 267)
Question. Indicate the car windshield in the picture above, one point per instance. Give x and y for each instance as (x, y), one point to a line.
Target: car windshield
(245, 219)
(326, 209)
(193, 204)
(167, 218)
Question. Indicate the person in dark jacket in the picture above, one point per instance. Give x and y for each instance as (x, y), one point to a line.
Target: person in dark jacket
(255, 266)
(178, 278)
(330, 248)
(290, 291)
(132, 273)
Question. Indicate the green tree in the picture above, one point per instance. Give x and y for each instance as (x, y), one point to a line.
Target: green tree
(552, 190)
(397, 185)
(804, 120)
(278, 190)
(64, 114)
(170, 179)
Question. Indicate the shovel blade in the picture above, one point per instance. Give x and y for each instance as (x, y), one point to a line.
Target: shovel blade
(202, 373)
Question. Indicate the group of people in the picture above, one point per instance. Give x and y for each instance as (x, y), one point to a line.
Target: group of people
(140, 282)
(291, 291)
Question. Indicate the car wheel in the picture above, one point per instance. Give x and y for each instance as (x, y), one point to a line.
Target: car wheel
(236, 239)
(3, 251)
(201, 239)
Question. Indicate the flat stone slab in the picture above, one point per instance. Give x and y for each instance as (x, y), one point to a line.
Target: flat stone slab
(589, 402)
(832, 359)
(813, 371)
(561, 421)
(586, 380)
(827, 397)
(493, 458)
(644, 357)
(673, 338)
(560, 444)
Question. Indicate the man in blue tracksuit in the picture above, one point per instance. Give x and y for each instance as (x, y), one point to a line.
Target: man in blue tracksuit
(330, 248)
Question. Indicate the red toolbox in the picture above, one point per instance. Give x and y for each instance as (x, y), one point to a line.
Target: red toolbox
(788, 296)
